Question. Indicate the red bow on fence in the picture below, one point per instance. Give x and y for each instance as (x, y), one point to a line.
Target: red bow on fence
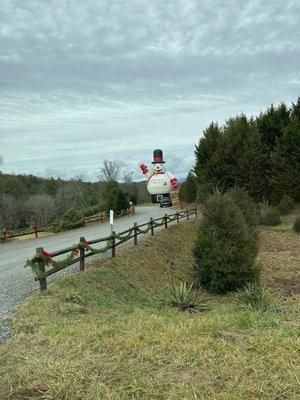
(6, 233)
(48, 255)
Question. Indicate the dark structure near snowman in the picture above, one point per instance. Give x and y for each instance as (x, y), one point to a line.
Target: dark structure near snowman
(160, 182)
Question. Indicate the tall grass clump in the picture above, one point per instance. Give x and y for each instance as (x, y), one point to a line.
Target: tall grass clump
(226, 247)
(247, 206)
(257, 297)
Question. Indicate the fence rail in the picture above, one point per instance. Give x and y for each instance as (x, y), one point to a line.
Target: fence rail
(36, 229)
(43, 263)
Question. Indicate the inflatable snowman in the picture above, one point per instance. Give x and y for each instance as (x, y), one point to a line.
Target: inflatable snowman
(160, 182)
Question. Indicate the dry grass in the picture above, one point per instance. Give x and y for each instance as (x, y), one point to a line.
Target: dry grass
(102, 334)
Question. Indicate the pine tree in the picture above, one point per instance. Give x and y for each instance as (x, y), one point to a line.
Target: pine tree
(226, 247)
(285, 162)
(188, 190)
(205, 163)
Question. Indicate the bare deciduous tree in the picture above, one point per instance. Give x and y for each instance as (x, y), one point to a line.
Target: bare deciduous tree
(41, 209)
(109, 171)
(10, 212)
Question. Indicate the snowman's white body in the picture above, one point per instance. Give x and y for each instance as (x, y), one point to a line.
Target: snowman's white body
(159, 181)
(159, 184)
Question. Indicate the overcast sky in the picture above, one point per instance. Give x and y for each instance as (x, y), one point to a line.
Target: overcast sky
(81, 81)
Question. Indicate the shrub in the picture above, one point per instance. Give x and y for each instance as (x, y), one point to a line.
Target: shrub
(226, 247)
(286, 204)
(247, 206)
(269, 215)
(296, 225)
(71, 219)
(87, 212)
(257, 297)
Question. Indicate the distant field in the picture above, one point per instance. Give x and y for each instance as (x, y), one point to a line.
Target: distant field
(103, 334)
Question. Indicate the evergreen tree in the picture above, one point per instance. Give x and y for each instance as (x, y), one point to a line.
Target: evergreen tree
(226, 247)
(205, 165)
(285, 162)
(121, 202)
(271, 124)
(188, 190)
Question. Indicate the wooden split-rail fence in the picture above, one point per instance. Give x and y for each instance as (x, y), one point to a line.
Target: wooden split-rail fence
(43, 264)
(36, 229)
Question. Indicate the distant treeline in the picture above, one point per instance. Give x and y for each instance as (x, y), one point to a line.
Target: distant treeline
(259, 154)
(28, 199)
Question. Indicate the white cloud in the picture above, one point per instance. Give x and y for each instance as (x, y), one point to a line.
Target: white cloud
(91, 80)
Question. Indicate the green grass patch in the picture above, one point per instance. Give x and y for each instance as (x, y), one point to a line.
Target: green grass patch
(103, 334)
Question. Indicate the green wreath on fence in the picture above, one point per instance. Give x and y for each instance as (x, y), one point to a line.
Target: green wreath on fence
(46, 257)
(155, 224)
(85, 244)
(146, 230)
(124, 238)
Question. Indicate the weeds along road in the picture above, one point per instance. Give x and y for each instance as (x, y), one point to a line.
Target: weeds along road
(17, 282)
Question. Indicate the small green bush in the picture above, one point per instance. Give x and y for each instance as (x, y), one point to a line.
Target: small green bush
(269, 215)
(246, 204)
(71, 219)
(257, 297)
(286, 204)
(87, 212)
(296, 226)
(226, 247)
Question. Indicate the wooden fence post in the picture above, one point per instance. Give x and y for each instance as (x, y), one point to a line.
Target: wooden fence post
(152, 226)
(166, 220)
(81, 254)
(41, 268)
(35, 229)
(135, 233)
(177, 216)
(113, 244)
(187, 214)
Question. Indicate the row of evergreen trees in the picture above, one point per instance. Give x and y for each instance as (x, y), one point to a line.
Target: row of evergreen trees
(260, 154)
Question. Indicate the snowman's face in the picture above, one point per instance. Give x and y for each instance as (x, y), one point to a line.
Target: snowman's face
(158, 168)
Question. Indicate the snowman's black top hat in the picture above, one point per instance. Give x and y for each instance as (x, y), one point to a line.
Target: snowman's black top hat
(158, 156)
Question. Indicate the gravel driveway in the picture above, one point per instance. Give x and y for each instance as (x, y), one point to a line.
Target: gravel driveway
(17, 282)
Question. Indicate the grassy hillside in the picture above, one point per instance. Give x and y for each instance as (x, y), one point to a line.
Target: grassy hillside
(103, 334)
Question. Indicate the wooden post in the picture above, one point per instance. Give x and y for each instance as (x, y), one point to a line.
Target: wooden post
(152, 226)
(166, 220)
(113, 244)
(41, 268)
(187, 214)
(135, 233)
(35, 229)
(177, 216)
(81, 254)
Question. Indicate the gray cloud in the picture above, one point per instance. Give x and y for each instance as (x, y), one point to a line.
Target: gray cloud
(84, 81)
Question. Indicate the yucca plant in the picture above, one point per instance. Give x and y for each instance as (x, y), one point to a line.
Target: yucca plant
(182, 296)
(257, 297)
